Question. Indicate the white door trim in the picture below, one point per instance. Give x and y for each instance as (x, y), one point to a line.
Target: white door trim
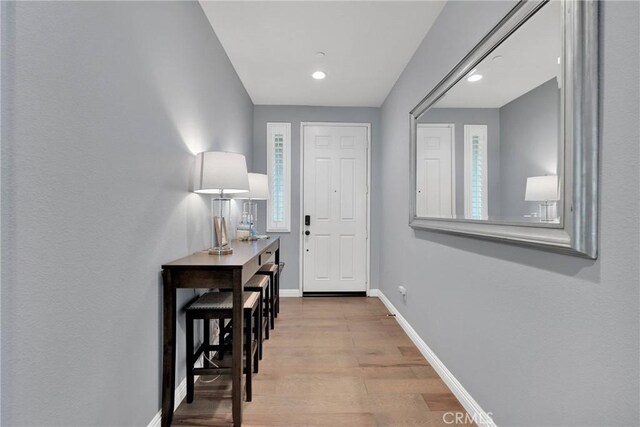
(451, 126)
(300, 207)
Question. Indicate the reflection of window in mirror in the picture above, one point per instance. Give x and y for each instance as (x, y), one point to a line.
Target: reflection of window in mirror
(475, 172)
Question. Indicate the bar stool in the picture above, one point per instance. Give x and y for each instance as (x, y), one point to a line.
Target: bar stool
(219, 306)
(260, 284)
(270, 269)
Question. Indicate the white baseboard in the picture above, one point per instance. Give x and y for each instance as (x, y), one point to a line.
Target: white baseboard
(157, 420)
(180, 394)
(178, 397)
(290, 293)
(479, 416)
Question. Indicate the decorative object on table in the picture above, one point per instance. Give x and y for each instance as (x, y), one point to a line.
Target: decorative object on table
(544, 189)
(243, 234)
(258, 190)
(220, 173)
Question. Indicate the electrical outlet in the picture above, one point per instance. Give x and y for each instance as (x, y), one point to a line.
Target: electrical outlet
(402, 290)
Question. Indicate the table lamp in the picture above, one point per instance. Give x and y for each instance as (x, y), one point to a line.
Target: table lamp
(543, 189)
(258, 190)
(220, 173)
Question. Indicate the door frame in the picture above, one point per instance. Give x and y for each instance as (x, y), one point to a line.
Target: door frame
(451, 126)
(367, 195)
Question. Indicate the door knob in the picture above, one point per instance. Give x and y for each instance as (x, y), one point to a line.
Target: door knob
(307, 232)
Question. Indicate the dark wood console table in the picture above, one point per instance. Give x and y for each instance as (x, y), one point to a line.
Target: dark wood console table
(202, 270)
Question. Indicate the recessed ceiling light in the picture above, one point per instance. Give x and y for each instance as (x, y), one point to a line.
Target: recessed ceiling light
(318, 75)
(320, 54)
(474, 77)
(497, 58)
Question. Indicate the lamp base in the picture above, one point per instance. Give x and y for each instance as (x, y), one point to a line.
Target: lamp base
(548, 212)
(221, 251)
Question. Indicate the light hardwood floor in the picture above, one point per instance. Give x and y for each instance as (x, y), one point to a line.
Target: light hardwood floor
(332, 362)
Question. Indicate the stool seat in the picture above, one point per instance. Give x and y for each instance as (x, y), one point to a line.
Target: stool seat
(261, 282)
(268, 268)
(222, 301)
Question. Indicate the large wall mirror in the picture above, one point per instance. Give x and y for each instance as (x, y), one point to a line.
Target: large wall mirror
(505, 147)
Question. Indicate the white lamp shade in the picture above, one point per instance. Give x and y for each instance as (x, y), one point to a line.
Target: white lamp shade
(217, 171)
(542, 189)
(258, 187)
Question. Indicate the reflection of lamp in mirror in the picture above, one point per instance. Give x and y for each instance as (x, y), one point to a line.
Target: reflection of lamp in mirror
(544, 189)
(220, 173)
(258, 190)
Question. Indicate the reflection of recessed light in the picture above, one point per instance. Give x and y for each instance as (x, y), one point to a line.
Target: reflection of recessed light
(474, 77)
(320, 54)
(318, 75)
(558, 60)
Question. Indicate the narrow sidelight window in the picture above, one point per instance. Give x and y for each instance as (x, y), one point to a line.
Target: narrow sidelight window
(279, 171)
(475, 172)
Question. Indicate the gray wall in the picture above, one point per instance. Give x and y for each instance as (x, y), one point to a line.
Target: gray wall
(538, 339)
(473, 116)
(295, 115)
(529, 133)
(103, 106)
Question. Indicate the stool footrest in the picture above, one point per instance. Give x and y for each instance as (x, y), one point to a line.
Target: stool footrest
(211, 371)
(226, 361)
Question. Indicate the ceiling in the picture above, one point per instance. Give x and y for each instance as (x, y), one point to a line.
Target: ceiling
(528, 58)
(273, 44)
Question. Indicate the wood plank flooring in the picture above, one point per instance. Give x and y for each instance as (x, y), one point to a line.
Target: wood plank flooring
(332, 362)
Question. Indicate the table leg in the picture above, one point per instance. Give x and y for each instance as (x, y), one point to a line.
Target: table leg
(169, 349)
(276, 309)
(236, 361)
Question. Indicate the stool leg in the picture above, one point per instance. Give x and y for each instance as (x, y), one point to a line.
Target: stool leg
(190, 360)
(221, 332)
(249, 368)
(257, 326)
(267, 304)
(277, 280)
(206, 331)
(274, 289)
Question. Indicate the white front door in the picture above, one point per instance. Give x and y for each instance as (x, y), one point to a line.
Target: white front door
(434, 171)
(335, 208)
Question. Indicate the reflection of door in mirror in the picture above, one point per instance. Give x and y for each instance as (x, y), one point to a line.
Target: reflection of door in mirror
(435, 171)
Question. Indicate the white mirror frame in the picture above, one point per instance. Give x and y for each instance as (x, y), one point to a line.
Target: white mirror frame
(577, 233)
